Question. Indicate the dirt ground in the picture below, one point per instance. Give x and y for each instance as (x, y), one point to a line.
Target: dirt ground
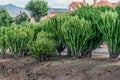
(96, 68)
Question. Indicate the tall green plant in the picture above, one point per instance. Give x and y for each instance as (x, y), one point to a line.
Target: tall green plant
(3, 43)
(117, 8)
(105, 8)
(76, 33)
(18, 39)
(92, 14)
(56, 24)
(110, 27)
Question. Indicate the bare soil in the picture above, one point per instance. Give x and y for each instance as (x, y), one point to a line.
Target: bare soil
(96, 68)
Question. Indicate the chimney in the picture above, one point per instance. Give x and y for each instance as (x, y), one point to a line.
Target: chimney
(95, 1)
(83, 0)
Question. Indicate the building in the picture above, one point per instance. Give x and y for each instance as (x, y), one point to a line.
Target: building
(50, 15)
(105, 3)
(75, 5)
(51, 10)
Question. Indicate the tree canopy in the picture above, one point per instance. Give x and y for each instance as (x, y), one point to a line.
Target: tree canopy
(22, 17)
(5, 18)
(37, 8)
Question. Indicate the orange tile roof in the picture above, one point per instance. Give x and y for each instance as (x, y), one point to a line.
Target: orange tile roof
(78, 4)
(104, 3)
(52, 14)
(74, 5)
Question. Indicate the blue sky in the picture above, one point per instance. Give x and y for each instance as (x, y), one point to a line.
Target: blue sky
(51, 3)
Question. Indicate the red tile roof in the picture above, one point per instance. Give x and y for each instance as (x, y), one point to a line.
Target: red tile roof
(75, 5)
(78, 4)
(104, 3)
(50, 15)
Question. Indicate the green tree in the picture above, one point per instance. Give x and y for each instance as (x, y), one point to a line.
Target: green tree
(38, 8)
(5, 18)
(22, 17)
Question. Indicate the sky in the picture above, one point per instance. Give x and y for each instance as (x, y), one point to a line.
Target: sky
(51, 3)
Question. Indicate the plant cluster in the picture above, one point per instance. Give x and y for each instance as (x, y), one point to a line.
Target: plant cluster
(16, 39)
(80, 32)
(43, 47)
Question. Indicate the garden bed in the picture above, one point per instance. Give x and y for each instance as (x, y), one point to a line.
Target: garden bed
(62, 68)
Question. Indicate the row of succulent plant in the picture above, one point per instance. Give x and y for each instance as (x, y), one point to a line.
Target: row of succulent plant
(64, 26)
(81, 32)
(15, 39)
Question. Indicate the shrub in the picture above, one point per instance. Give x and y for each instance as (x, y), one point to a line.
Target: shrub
(56, 23)
(76, 33)
(18, 39)
(111, 32)
(117, 8)
(91, 14)
(43, 47)
(3, 38)
(105, 8)
(38, 27)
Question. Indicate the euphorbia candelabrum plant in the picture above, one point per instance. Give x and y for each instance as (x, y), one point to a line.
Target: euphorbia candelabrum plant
(76, 33)
(110, 27)
(56, 23)
(18, 39)
(90, 13)
(3, 43)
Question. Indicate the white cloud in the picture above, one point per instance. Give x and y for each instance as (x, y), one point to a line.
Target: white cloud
(52, 3)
